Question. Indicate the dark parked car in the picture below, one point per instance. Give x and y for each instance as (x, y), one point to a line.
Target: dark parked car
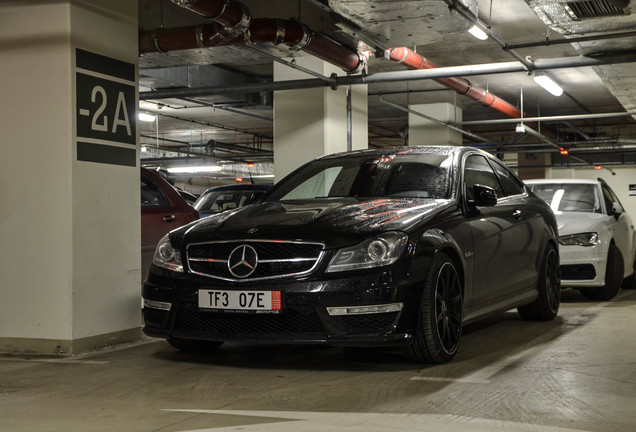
(162, 210)
(221, 198)
(190, 198)
(400, 245)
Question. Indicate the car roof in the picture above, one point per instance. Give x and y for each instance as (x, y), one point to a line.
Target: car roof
(415, 149)
(240, 187)
(561, 181)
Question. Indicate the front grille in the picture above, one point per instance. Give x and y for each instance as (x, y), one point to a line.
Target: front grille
(155, 317)
(578, 272)
(272, 259)
(289, 321)
(368, 323)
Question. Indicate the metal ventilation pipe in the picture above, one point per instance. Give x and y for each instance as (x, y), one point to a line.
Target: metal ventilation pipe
(413, 60)
(174, 39)
(299, 37)
(232, 25)
(233, 16)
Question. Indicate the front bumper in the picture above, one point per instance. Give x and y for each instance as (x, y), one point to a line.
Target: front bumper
(365, 309)
(583, 266)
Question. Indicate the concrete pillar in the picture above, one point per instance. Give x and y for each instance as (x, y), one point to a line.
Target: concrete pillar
(533, 165)
(426, 132)
(313, 122)
(69, 176)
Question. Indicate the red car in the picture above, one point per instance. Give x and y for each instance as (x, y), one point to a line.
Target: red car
(162, 210)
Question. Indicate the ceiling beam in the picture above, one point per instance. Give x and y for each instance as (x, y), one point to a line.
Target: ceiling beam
(410, 75)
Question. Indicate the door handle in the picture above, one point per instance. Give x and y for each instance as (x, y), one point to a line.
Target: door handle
(170, 218)
(516, 214)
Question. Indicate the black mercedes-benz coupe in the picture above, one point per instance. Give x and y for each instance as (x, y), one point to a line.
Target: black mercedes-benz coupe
(398, 245)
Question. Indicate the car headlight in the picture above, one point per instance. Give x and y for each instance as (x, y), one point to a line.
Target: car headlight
(580, 239)
(379, 251)
(166, 256)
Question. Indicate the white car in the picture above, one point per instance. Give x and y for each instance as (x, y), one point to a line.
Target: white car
(596, 235)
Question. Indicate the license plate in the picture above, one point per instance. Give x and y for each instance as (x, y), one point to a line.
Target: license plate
(244, 301)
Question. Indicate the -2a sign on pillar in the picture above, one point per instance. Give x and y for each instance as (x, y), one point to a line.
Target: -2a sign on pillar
(105, 109)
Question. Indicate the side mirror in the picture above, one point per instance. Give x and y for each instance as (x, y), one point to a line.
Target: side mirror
(617, 209)
(484, 196)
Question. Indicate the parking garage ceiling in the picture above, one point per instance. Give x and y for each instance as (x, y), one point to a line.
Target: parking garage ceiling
(216, 101)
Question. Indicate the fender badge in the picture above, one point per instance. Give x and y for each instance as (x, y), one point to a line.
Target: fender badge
(252, 230)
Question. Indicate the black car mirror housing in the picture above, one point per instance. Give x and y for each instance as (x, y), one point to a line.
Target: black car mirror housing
(617, 209)
(484, 196)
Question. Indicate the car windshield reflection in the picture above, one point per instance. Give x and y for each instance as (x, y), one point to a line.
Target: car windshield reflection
(569, 197)
(393, 176)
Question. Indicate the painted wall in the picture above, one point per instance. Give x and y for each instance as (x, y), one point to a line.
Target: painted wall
(35, 188)
(106, 212)
(70, 266)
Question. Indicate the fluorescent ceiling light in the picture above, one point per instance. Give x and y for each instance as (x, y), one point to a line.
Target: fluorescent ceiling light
(145, 117)
(478, 33)
(195, 169)
(149, 106)
(545, 82)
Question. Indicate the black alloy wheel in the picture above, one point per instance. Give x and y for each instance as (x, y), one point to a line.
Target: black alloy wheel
(439, 326)
(546, 306)
(614, 272)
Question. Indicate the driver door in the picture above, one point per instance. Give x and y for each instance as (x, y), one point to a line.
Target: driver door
(501, 235)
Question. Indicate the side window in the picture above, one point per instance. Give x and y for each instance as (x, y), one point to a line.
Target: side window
(609, 198)
(255, 196)
(225, 201)
(614, 196)
(477, 170)
(510, 183)
(151, 194)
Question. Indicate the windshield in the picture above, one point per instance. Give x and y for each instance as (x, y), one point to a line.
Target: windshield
(218, 201)
(401, 175)
(569, 197)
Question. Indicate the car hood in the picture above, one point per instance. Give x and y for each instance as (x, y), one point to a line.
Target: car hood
(333, 221)
(579, 222)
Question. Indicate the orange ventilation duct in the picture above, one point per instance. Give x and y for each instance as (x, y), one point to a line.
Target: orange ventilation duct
(413, 60)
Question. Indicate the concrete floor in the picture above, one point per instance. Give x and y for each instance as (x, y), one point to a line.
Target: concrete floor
(577, 373)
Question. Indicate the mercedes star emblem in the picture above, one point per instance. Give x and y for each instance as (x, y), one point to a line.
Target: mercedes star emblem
(242, 261)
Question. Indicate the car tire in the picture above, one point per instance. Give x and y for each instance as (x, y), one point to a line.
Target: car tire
(546, 306)
(194, 345)
(630, 281)
(439, 324)
(614, 272)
